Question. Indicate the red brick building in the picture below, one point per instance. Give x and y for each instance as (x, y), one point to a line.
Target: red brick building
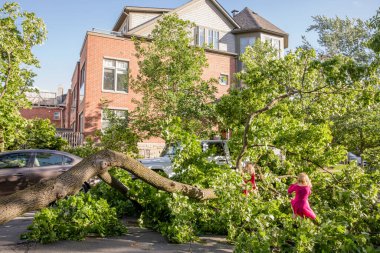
(106, 58)
(46, 105)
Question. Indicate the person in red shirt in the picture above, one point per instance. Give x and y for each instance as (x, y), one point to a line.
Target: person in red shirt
(300, 204)
(249, 178)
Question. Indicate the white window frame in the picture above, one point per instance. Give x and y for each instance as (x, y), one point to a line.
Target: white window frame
(125, 25)
(75, 97)
(225, 75)
(81, 122)
(274, 42)
(82, 86)
(103, 121)
(56, 117)
(214, 36)
(115, 74)
(198, 30)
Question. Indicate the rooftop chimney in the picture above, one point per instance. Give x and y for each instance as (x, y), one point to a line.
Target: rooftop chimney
(234, 12)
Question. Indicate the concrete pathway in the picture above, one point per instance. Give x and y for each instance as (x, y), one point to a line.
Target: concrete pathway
(137, 240)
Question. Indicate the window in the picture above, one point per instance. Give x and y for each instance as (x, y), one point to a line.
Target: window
(213, 39)
(18, 160)
(216, 149)
(245, 42)
(200, 36)
(115, 75)
(125, 27)
(119, 113)
(81, 122)
(47, 159)
(276, 43)
(223, 79)
(67, 160)
(57, 115)
(82, 83)
(75, 95)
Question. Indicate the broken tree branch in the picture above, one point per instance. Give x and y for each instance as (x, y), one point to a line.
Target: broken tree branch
(70, 182)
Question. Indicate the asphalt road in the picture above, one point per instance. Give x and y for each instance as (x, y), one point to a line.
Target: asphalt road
(136, 240)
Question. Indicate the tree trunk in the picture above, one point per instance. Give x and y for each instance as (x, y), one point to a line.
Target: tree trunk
(70, 182)
(2, 142)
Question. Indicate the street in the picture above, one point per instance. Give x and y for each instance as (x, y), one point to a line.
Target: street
(136, 240)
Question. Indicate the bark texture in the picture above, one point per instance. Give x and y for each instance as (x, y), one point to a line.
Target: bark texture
(2, 141)
(70, 182)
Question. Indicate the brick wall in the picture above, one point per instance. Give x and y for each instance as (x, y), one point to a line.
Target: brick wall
(98, 47)
(44, 113)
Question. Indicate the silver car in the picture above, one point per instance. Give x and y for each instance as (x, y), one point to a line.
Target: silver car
(220, 156)
(23, 168)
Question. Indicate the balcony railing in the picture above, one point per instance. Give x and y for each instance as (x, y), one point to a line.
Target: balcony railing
(117, 34)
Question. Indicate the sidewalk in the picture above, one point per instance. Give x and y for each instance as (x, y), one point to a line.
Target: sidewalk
(137, 240)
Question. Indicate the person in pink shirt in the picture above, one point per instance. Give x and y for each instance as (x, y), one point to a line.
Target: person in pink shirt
(300, 204)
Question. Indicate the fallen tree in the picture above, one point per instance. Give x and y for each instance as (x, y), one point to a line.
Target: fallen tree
(70, 182)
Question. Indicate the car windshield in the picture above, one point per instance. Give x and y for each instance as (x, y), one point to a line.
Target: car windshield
(170, 150)
(215, 148)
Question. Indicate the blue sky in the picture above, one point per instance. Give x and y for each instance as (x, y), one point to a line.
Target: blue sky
(68, 20)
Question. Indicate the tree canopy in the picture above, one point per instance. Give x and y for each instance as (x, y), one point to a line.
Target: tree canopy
(170, 81)
(343, 36)
(355, 38)
(19, 33)
(288, 102)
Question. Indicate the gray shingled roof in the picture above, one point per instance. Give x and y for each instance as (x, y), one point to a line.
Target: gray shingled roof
(249, 20)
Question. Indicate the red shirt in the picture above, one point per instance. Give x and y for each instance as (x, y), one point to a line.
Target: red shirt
(252, 182)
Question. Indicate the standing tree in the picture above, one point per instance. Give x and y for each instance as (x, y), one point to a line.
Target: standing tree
(170, 81)
(19, 33)
(343, 36)
(374, 42)
(356, 129)
(287, 103)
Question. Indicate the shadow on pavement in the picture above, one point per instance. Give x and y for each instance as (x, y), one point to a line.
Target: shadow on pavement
(136, 240)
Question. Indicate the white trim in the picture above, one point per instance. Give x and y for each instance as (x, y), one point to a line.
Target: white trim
(188, 4)
(57, 118)
(263, 36)
(84, 67)
(206, 37)
(125, 24)
(115, 59)
(114, 92)
(117, 108)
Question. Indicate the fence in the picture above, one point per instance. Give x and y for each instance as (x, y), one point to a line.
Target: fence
(73, 138)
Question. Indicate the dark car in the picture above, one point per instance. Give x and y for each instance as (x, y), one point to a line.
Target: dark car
(23, 168)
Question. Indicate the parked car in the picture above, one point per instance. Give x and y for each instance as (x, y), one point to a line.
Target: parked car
(23, 168)
(163, 164)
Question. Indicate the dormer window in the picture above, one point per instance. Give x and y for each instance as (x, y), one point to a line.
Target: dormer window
(125, 26)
